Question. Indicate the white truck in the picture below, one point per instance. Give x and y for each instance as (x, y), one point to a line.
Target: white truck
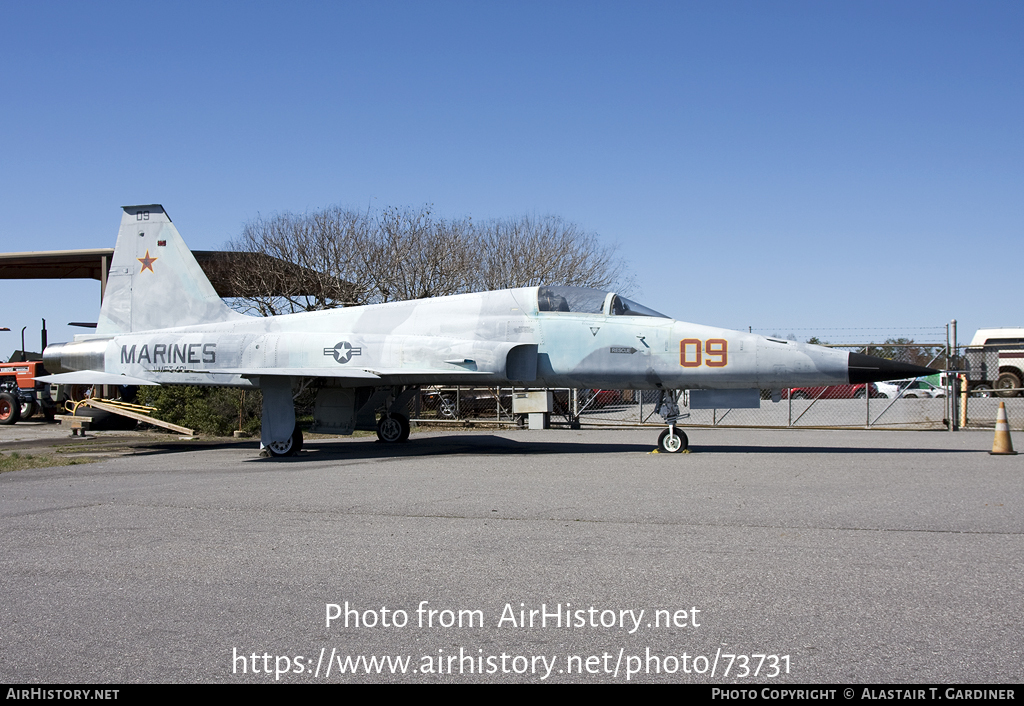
(994, 361)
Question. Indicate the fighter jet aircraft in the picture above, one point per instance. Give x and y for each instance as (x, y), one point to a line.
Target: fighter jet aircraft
(162, 323)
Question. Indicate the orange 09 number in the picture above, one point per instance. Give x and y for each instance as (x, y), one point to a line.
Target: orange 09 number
(715, 352)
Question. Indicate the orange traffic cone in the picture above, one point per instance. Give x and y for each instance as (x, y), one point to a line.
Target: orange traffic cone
(1002, 444)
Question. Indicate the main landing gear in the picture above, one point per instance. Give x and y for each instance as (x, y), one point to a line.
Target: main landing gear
(279, 432)
(289, 447)
(337, 410)
(393, 428)
(672, 440)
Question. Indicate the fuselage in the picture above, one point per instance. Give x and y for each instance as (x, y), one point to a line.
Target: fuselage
(503, 337)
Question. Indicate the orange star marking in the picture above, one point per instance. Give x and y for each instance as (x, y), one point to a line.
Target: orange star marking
(147, 262)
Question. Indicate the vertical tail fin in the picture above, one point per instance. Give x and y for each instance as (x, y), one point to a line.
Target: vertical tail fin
(154, 281)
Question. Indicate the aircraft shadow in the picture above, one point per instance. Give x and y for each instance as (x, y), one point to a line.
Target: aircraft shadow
(487, 445)
(475, 444)
(822, 450)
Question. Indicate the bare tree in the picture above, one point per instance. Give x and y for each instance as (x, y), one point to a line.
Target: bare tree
(530, 251)
(417, 256)
(339, 257)
(302, 262)
(904, 350)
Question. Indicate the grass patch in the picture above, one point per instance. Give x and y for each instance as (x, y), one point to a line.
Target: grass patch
(94, 445)
(18, 462)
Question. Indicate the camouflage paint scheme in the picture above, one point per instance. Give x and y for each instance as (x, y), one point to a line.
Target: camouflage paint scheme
(161, 322)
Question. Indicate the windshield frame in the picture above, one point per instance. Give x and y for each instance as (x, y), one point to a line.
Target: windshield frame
(562, 299)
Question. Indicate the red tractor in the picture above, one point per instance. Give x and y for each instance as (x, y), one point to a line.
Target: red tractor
(20, 395)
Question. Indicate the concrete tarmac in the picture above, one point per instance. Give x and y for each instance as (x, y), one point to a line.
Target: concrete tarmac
(762, 557)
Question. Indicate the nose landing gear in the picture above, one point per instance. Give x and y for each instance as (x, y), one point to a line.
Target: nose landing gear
(671, 440)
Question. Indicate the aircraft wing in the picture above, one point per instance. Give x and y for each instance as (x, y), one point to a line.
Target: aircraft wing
(295, 372)
(381, 374)
(93, 377)
(385, 375)
(405, 376)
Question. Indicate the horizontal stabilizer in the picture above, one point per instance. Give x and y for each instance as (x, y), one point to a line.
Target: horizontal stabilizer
(92, 377)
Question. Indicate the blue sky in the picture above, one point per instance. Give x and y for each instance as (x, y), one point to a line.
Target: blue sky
(854, 168)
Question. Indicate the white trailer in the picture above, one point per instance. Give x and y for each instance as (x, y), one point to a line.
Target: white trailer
(994, 360)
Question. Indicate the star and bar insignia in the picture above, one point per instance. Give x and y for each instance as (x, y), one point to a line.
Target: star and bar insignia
(343, 351)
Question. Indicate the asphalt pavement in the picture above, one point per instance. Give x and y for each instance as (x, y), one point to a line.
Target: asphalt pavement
(761, 557)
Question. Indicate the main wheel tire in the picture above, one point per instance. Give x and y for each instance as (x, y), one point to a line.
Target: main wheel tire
(799, 395)
(981, 391)
(673, 444)
(1005, 384)
(10, 408)
(393, 428)
(289, 447)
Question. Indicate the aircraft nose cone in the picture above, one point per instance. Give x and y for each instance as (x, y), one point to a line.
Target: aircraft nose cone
(868, 368)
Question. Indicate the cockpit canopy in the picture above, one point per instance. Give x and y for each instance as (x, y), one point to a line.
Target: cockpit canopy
(582, 300)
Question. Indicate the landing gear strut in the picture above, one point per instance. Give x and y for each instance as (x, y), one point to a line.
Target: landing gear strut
(672, 440)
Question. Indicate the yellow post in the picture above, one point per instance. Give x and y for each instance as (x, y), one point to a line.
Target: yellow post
(963, 401)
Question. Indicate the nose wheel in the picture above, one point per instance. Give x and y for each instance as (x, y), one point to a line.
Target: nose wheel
(672, 441)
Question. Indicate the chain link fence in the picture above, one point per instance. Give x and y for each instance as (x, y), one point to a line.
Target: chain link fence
(911, 404)
(618, 408)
